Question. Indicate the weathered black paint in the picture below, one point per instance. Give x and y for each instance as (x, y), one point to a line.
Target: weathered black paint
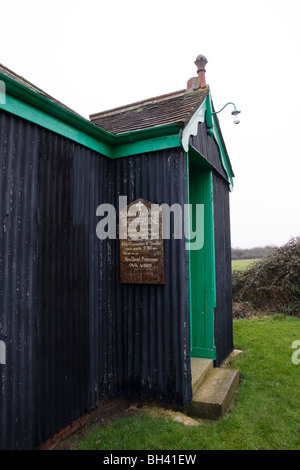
(223, 311)
(208, 148)
(74, 334)
(18, 281)
(155, 319)
(63, 283)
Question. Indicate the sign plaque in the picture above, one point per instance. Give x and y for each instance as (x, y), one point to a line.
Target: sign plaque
(141, 244)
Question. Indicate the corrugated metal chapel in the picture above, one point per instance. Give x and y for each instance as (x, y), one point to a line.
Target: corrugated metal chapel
(71, 333)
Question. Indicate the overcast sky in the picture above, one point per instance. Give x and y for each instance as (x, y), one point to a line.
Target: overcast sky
(95, 55)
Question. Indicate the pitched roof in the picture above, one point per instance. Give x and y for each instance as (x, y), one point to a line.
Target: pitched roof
(172, 108)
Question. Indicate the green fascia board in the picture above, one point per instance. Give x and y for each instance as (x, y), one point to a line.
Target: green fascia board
(29, 105)
(224, 156)
(36, 108)
(191, 128)
(144, 134)
(43, 119)
(205, 113)
(150, 144)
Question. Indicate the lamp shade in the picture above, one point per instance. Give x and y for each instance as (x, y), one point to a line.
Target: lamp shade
(236, 117)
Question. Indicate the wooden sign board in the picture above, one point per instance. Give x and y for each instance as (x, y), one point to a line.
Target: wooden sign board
(141, 244)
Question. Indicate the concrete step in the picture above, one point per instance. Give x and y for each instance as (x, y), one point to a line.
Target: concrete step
(213, 398)
(200, 370)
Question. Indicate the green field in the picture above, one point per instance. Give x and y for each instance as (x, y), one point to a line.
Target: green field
(266, 414)
(241, 264)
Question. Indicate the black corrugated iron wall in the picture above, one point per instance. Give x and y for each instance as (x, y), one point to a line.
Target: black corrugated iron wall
(18, 281)
(74, 335)
(155, 318)
(77, 316)
(63, 283)
(208, 147)
(223, 312)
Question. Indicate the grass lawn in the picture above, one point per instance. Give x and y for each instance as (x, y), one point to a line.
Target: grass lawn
(266, 415)
(241, 264)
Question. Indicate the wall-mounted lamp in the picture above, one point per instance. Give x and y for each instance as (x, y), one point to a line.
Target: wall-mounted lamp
(209, 116)
(235, 113)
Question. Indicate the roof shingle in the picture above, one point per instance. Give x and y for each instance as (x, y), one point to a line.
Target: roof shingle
(173, 108)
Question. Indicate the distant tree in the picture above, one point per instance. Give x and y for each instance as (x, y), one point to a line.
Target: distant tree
(252, 253)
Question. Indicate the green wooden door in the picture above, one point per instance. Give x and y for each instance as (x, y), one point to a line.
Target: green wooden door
(201, 262)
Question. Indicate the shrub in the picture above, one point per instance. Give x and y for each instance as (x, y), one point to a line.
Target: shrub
(272, 283)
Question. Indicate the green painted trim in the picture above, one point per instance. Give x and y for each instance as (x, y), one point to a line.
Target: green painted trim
(146, 145)
(204, 353)
(189, 251)
(213, 131)
(213, 255)
(191, 127)
(204, 113)
(146, 134)
(28, 104)
(202, 285)
(39, 102)
(41, 118)
(234, 112)
(223, 157)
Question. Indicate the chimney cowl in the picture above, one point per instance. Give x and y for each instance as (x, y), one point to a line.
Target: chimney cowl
(201, 62)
